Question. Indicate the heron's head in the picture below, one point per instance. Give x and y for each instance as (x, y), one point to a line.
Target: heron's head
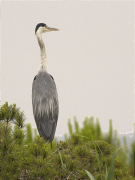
(42, 28)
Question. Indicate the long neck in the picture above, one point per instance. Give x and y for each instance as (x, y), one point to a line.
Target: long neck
(43, 62)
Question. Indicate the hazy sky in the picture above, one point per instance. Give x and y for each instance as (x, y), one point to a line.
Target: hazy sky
(91, 58)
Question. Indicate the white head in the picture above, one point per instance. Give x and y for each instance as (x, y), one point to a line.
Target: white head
(42, 28)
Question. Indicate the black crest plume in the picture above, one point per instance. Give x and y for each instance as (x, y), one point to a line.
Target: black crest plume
(39, 25)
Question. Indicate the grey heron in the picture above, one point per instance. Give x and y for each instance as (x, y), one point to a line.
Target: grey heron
(44, 93)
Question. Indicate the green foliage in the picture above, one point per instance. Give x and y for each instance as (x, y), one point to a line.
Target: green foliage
(35, 132)
(29, 136)
(132, 159)
(18, 135)
(132, 156)
(10, 139)
(82, 155)
(12, 113)
(89, 127)
(108, 138)
(26, 157)
(70, 127)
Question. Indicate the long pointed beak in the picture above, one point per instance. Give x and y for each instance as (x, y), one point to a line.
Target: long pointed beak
(52, 29)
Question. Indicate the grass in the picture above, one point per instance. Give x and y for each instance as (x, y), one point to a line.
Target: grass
(109, 175)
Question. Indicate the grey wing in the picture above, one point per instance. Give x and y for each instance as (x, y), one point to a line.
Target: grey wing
(45, 105)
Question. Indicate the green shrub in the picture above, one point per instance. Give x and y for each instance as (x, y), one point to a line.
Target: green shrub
(34, 159)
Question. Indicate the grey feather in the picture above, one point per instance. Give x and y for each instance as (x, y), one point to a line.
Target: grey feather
(45, 104)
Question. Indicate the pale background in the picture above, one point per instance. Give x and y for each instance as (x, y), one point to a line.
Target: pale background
(91, 58)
